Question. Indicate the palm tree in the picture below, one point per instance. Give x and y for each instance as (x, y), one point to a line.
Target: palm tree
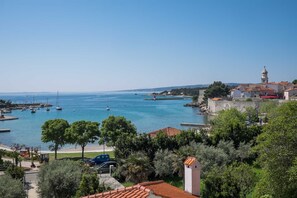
(136, 168)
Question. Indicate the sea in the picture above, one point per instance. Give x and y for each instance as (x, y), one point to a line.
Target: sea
(146, 115)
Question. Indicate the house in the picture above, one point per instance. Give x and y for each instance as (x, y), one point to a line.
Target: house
(161, 189)
(169, 131)
(290, 94)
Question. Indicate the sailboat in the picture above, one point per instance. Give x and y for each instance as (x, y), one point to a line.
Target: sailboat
(47, 108)
(58, 108)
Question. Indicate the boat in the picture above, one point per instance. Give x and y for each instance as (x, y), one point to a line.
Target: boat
(58, 108)
(107, 108)
(33, 111)
(47, 108)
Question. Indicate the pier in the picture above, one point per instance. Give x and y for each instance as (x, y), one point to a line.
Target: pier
(4, 130)
(5, 118)
(195, 125)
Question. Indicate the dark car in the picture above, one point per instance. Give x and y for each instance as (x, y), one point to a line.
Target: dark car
(105, 166)
(99, 159)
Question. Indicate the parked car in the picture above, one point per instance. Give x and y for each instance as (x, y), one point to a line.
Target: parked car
(105, 166)
(99, 159)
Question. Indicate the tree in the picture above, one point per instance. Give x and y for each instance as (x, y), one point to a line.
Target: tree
(186, 137)
(59, 179)
(11, 188)
(15, 172)
(229, 125)
(82, 133)
(136, 168)
(163, 141)
(216, 89)
(127, 144)
(54, 131)
(294, 82)
(163, 163)
(89, 185)
(251, 115)
(113, 127)
(277, 150)
(236, 180)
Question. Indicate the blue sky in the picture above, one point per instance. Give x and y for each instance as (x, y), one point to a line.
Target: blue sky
(100, 45)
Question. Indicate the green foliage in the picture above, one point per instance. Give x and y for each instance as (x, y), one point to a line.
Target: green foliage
(59, 179)
(127, 144)
(294, 82)
(163, 163)
(186, 91)
(186, 137)
(11, 188)
(163, 141)
(82, 133)
(15, 172)
(136, 168)
(54, 131)
(277, 149)
(229, 125)
(268, 107)
(216, 89)
(89, 185)
(195, 98)
(236, 180)
(113, 127)
(251, 115)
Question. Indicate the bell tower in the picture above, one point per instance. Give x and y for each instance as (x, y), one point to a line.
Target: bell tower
(264, 77)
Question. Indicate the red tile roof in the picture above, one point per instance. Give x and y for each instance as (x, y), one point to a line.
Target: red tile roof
(216, 99)
(189, 161)
(143, 190)
(169, 131)
(136, 191)
(163, 189)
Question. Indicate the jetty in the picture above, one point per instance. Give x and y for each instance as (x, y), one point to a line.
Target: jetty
(195, 125)
(166, 98)
(5, 118)
(4, 130)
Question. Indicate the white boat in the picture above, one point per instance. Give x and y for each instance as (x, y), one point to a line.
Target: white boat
(107, 108)
(33, 111)
(58, 108)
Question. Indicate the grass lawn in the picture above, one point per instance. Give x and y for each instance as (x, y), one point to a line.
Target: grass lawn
(128, 184)
(78, 155)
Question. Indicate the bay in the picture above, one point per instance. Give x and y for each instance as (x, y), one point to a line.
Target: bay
(146, 115)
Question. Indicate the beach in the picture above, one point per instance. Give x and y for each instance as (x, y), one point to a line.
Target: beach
(77, 149)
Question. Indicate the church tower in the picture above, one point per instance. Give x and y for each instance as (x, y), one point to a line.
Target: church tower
(264, 78)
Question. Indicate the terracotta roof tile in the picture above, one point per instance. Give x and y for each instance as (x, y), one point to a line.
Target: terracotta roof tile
(165, 190)
(189, 161)
(168, 131)
(143, 190)
(129, 192)
(216, 99)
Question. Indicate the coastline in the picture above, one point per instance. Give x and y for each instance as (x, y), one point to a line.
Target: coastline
(77, 149)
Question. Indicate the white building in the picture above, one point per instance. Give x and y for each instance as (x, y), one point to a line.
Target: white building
(290, 94)
(192, 176)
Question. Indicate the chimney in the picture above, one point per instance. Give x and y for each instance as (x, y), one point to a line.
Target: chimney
(192, 176)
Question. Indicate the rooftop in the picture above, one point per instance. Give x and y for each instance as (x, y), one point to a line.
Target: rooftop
(144, 190)
(169, 131)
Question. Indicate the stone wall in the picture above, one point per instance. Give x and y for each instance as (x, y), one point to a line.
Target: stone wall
(215, 106)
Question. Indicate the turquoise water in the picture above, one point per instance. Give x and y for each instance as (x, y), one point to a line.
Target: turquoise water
(147, 115)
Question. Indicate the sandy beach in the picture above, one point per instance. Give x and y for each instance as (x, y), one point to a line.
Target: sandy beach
(73, 149)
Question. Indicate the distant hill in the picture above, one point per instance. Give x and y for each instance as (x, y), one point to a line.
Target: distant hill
(160, 89)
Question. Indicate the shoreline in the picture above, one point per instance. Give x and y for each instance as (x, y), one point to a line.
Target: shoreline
(77, 149)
